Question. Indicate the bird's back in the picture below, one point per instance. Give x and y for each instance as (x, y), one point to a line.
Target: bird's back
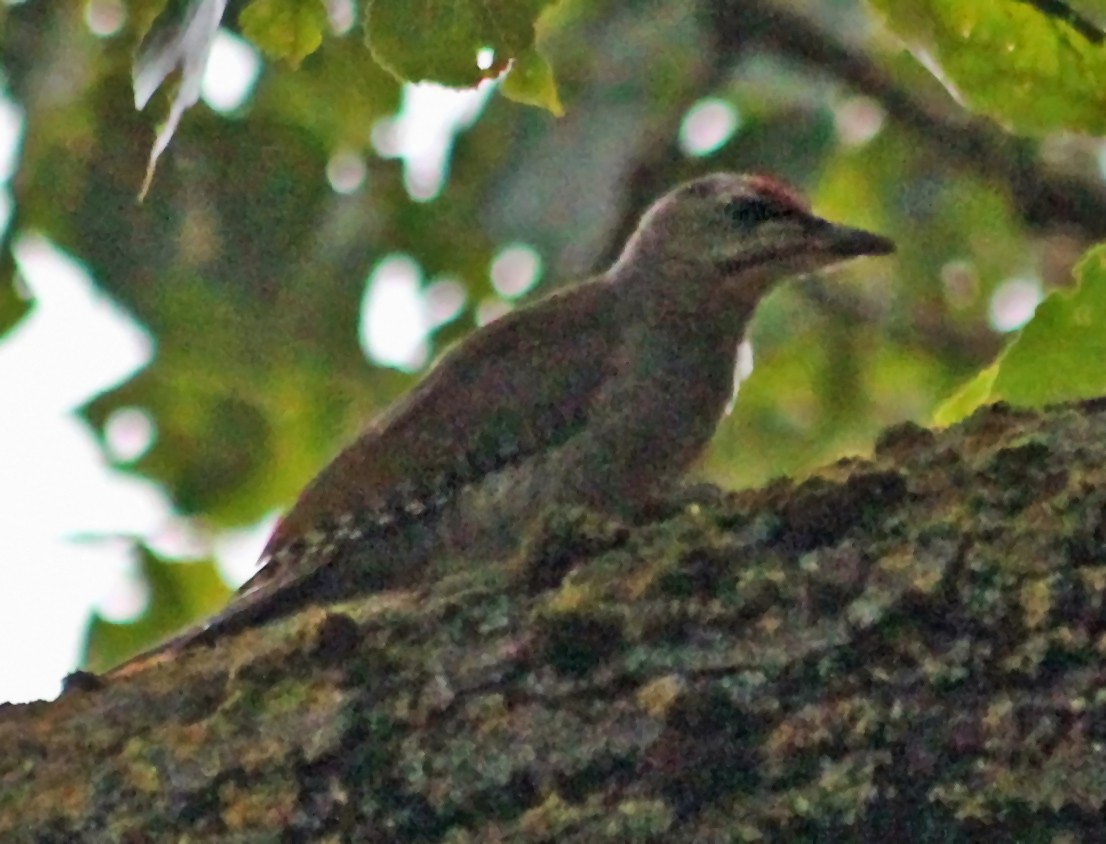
(511, 392)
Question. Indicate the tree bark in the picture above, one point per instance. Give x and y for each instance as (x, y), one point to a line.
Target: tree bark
(907, 646)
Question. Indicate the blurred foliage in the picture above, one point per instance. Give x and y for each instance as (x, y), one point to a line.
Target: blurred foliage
(1035, 66)
(249, 266)
(13, 306)
(1057, 357)
(1037, 369)
(285, 29)
(178, 593)
(450, 35)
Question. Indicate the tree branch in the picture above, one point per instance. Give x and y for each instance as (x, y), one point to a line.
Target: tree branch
(1045, 199)
(904, 649)
(1063, 12)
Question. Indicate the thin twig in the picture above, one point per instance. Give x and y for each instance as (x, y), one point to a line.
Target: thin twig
(1045, 199)
(1063, 12)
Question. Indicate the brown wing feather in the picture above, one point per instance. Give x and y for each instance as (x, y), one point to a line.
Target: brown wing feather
(520, 384)
(508, 389)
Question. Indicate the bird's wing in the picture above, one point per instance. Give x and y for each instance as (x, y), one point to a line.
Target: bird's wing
(522, 384)
(518, 386)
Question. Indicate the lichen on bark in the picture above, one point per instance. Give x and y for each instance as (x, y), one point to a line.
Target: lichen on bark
(911, 644)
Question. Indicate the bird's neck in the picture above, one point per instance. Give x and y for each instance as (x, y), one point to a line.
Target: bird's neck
(669, 307)
(682, 353)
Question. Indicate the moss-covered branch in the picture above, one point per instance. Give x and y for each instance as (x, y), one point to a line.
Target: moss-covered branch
(909, 645)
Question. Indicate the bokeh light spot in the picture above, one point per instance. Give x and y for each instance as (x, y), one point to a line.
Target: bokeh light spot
(104, 18)
(445, 299)
(231, 72)
(961, 283)
(858, 120)
(128, 434)
(342, 15)
(707, 126)
(422, 132)
(346, 171)
(394, 324)
(1013, 303)
(515, 270)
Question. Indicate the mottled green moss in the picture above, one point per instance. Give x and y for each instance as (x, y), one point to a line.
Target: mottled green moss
(909, 646)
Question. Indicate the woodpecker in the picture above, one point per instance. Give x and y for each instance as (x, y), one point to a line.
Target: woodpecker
(600, 395)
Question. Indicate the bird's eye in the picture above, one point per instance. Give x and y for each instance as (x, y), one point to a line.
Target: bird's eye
(751, 211)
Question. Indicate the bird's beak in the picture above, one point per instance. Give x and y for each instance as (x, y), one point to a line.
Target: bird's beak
(847, 242)
(809, 244)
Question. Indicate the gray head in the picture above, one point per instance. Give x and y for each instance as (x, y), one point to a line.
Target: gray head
(741, 231)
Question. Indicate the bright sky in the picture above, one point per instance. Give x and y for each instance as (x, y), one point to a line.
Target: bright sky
(67, 512)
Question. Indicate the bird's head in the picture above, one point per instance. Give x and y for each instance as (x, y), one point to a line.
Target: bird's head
(742, 231)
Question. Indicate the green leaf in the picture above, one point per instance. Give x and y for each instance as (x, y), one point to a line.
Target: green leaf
(351, 110)
(531, 82)
(285, 29)
(1059, 355)
(13, 306)
(142, 14)
(975, 393)
(1056, 357)
(180, 593)
(1031, 71)
(439, 40)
